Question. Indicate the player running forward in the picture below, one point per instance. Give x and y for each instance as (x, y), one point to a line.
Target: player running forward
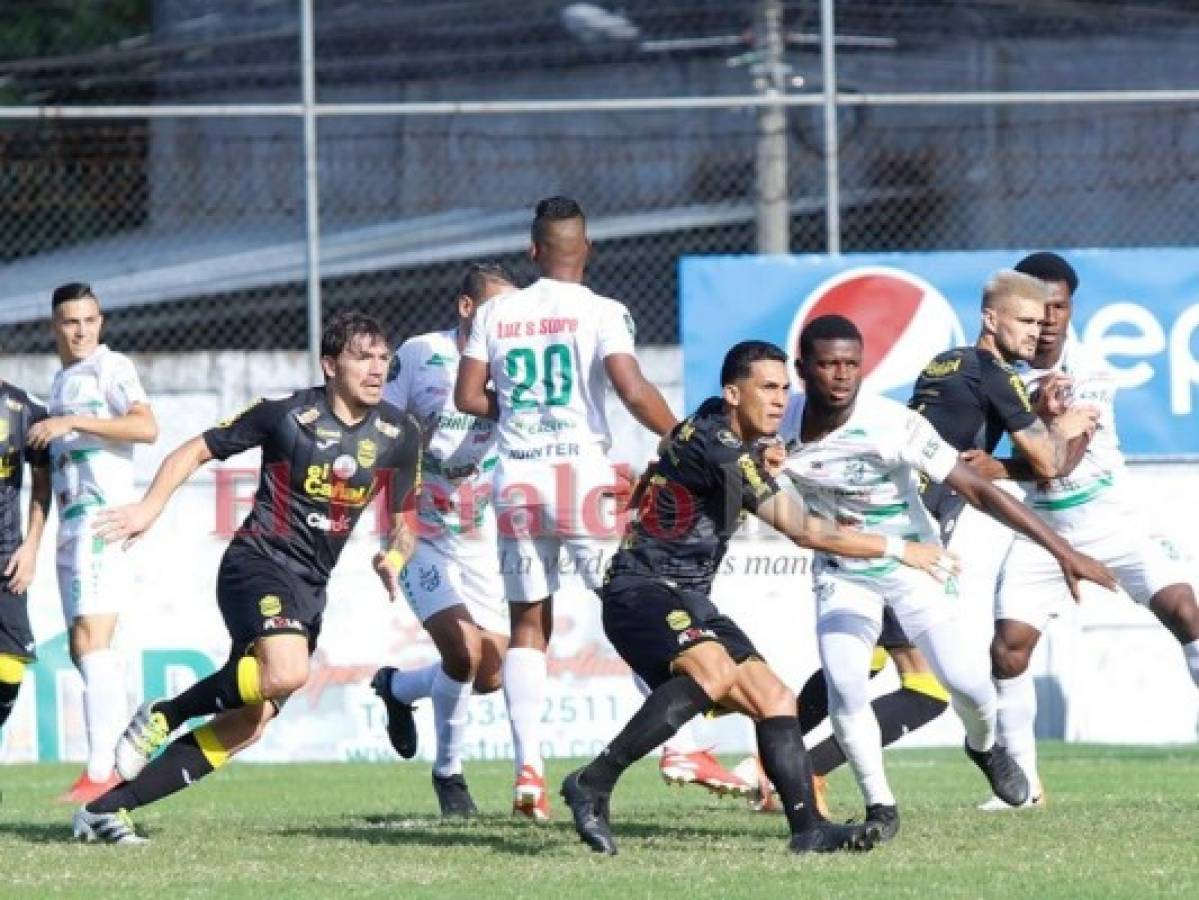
(326, 452)
(452, 580)
(658, 615)
(97, 412)
(1092, 506)
(18, 556)
(858, 460)
(972, 396)
(551, 351)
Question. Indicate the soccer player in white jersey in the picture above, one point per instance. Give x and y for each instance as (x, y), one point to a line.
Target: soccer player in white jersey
(1092, 506)
(857, 460)
(452, 580)
(551, 351)
(97, 411)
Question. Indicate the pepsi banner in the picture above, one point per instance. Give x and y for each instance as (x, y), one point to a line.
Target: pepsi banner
(1136, 309)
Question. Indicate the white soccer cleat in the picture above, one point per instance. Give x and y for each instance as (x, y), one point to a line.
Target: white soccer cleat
(106, 828)
(1036, 800)
(144, 734)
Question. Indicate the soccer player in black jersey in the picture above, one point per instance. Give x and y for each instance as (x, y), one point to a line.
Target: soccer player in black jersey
(18, 555)
(972, 396)
(658, 615)
(326, 452)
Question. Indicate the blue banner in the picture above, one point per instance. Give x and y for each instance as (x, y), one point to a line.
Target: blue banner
(1137, 309)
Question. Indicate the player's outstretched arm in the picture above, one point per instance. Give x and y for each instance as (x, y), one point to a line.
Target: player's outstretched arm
(785, 514)
(128, 523)
(471, 395)
(644, 402)
(1008, 511)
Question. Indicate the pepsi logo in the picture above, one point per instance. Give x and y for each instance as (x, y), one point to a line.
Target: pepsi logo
(904, 321)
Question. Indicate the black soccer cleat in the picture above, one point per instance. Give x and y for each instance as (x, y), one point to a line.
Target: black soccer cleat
(886, 818)
(1008, 781)
(454, 797)
(825, 837)
(590, 810)
(401, 726)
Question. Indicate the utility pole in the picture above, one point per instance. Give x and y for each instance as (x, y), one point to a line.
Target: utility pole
(773, 202)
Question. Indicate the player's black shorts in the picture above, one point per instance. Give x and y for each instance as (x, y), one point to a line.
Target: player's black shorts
(650, 622)
(892, 634)
(258, 598)
(16, 637)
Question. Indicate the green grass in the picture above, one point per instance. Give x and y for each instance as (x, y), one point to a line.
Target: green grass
(1121, 823)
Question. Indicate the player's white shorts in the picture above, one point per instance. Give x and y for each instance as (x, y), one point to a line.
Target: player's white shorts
(535, 552)
(918, 600)
(94, 578)
(1031, 588)
(434, 580)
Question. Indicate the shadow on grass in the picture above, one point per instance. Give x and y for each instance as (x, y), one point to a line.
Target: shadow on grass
(38, 834)
(502, 834)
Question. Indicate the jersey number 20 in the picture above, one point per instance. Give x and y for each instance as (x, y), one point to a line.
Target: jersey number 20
(555, 373)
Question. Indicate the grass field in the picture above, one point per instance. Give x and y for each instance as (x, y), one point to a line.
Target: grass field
(1121, 823)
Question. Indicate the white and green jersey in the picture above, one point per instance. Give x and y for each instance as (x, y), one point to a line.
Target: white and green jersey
(545, 347)
(459, 456)
(865, 474)
(89, 472)
(1099, 475)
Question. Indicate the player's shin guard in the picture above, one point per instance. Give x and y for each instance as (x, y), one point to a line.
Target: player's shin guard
(1017, 721)
(525, 677)
(918, 702)
(183, 762)
(812, 703)
(786, 763)
(236, 684)
(104, 709)
(12, 671)
(1191, 652)
(451, 703)
(672, 704)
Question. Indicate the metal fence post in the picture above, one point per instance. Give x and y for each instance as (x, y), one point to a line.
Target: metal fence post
(832, 161)
(312, 243)
(773, 206)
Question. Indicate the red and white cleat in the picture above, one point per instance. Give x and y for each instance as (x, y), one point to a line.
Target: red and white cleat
(84, 790)
(529, 798)
(702, 768)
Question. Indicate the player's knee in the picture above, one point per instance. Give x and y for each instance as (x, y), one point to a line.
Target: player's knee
(488, 682)
(280, 678)
(1008, 660)
(462, 661)
(716, 673)
(777, 700)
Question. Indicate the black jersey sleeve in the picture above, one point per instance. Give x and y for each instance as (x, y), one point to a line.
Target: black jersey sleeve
(403, 471)
(249, 428)
(737, 471)
(38, 457)
(1004, 391)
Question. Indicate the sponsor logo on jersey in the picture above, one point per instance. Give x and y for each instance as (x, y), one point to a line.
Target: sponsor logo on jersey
(691, 635)
(904, 321)
(14, 405)
(387, 429)
(308, 416)
(436, 360)
(319, 484)
(280, 623)
(368, 453)
(429, 578)
(678, 619)
(939, 368)
(727, 438)
(339, 525)
(4, 431)
(270, 605)
(328, 433)
(753, 475)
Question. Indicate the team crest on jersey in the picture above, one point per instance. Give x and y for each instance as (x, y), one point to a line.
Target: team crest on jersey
(308, 416)
(270, 605)
(429, 578)
(727, 438)
(855, 471)
(678, 619)
(386, 429)
(344, 467)
(368, 453)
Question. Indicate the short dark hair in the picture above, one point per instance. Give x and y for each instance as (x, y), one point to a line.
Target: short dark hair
(554, 209)
(474, 282)
(72, 290)
(1047, 266)
(740, 359)
(344, 327)
(826, 328)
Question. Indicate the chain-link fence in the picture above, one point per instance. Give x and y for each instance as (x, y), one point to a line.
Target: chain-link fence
(192, 226)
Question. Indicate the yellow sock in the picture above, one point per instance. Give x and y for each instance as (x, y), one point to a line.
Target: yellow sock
(878, 661)
(210, 745)
(925, 683)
